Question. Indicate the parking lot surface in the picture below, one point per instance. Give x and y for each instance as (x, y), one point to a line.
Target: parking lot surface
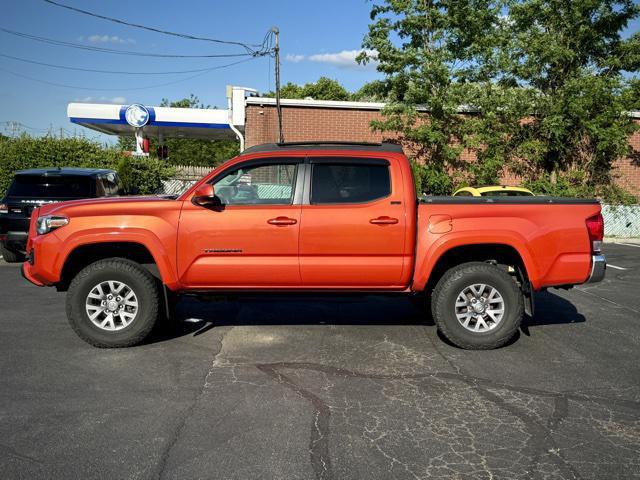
(326, 387)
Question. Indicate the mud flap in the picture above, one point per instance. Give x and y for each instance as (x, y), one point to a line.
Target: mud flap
(529, 303)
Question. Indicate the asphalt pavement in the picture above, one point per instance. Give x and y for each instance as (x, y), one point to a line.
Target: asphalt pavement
(325, 387)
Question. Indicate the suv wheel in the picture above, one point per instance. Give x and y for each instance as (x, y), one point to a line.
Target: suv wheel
(113, 303)
(477, 306)
(10, 256)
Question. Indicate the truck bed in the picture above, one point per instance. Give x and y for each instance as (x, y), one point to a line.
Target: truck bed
(548, 233)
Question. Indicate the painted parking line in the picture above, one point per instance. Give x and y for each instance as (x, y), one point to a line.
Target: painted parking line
(616, 267)
(630, 244)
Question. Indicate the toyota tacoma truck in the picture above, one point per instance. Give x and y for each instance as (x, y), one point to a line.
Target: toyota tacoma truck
(313, 217)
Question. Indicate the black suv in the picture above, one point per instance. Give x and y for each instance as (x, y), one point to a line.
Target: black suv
(35, 187)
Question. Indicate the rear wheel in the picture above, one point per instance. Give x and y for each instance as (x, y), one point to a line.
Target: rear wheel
(477, 306)
(113, 303)
(11, 256)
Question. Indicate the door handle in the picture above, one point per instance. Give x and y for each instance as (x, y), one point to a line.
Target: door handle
(282, 221)
(384, 220)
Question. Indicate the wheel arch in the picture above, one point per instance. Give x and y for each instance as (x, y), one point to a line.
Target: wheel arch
(498, 253)
(85, 254)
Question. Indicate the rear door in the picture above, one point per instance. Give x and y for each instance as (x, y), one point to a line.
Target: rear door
(353, 224)
(251, 239)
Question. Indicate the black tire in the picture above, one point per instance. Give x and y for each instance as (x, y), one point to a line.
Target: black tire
(453, 282)
(134, 276)
(10, 256)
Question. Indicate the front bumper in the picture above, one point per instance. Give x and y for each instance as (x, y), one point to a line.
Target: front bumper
(598, 268)
(26, 274)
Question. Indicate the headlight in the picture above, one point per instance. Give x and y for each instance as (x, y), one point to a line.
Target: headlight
(49, 222)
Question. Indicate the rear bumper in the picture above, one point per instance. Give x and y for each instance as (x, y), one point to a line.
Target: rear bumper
(598, 268)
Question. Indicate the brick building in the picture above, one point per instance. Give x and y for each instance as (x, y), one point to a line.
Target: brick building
(306, 120)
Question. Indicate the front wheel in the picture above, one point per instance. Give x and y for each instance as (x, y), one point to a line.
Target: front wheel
(477, 306)
(113, 303)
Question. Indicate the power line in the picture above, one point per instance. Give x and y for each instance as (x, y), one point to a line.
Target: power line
(14, 126)
(76, 87)
(248, 47)
(66, 67)
(61, 43)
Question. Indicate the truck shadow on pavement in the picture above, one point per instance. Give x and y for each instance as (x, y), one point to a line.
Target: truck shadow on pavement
(195, 317)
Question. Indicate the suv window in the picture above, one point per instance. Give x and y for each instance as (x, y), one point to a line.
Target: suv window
(271, 184)
(349, 183)
(110, 184)
(49, 186)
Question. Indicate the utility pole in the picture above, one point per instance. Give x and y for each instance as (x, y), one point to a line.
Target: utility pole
(276, 51)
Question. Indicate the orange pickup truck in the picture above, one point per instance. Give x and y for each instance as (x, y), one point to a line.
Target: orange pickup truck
(314, 217)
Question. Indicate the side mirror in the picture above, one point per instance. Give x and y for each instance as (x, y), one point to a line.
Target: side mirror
(204, 195)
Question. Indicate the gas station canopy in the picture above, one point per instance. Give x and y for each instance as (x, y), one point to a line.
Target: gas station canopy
(165, 122)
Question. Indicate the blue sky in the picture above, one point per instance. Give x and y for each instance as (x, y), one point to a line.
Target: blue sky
(316, 39)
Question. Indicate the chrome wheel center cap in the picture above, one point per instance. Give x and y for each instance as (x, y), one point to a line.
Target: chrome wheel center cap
(112, 305)
(479, 307)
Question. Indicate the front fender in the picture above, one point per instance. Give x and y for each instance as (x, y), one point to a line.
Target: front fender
(157, 249)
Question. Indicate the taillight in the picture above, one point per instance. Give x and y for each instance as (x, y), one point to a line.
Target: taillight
(595, 227)
(4, 208)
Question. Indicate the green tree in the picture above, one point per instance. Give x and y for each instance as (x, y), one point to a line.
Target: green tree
(370, 92)
(187, 151)
(542, 82)
(438, 56)
(572, 55)
(322, 89)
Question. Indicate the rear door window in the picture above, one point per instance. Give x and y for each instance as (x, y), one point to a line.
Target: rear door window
(349, 182)
(41, 186)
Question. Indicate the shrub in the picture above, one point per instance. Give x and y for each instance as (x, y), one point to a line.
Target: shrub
(575, 184)
(31, 152)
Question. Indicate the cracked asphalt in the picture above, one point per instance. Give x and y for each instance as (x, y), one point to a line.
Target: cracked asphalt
(325, 387)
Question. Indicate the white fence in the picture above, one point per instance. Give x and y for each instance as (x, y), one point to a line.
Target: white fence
(184, 177)
(621, 221)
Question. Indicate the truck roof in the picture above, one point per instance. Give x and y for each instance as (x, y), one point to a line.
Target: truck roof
(325, 145)
(60, 171)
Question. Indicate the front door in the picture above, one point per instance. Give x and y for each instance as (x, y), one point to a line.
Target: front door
(251, 239)
(353, 225)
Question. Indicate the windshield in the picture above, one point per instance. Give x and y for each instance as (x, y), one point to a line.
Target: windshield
(40, 186)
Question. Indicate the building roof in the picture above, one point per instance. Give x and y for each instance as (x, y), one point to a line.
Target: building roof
(83, 172)
(326, 145)
(345, 105)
